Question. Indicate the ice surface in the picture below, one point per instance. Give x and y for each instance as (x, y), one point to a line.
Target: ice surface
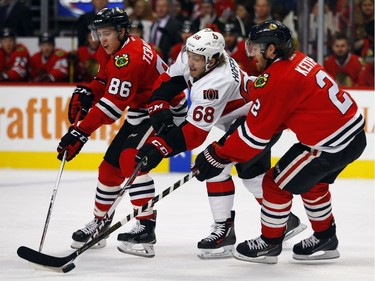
(184, 218)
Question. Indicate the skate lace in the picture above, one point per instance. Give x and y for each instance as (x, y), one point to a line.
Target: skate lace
(90, 227)
(137, 228)
(257, 244)
(218, 229)
(310, 242)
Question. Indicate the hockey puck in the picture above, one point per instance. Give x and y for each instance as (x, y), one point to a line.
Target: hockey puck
(68, 267)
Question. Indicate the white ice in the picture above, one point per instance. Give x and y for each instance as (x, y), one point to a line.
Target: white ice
(183, 219)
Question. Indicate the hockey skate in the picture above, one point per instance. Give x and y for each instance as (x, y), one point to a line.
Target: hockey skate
(140, 240)
(220, 243)
(293, 227)
(313, 248)
(81, 236)
(257, 250)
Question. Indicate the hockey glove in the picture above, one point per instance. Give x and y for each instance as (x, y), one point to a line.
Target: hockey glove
(160, 116)
(152, 153)
(208, 163)
(72, 141)
(80, 103)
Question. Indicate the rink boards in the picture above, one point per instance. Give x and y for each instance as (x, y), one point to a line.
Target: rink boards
(34, 118)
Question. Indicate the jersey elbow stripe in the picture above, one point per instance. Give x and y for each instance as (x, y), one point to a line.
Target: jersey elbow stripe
(109, 109)
(247, 137)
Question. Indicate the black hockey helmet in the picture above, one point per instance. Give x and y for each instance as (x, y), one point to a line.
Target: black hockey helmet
(7, 32)
(271, 32)
(46, 37)
(115, 17)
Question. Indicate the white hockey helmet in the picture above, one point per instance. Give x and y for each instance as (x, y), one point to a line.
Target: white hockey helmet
(207, 43)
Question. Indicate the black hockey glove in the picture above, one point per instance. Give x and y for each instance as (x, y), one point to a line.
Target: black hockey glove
(80, 103)
(72, 141)
(239, 121)
(209, 164)
(152, 153)
(160, 116)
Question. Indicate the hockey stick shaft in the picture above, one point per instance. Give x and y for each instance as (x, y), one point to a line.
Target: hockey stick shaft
(52, 201)
(58, 262)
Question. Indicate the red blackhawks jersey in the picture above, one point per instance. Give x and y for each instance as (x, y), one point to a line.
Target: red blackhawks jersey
(15, 65)
(217, 98)
(124, 81)
(300, 95)
(346, 74)
(56, 66)
(87, 64)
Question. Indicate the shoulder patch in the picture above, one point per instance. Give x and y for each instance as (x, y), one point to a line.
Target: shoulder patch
(59, 53)
(122, 60)
(20, 49)
(261, 81)
(210, 94)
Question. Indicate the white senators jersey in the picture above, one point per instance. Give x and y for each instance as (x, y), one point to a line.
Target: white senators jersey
(218, 97)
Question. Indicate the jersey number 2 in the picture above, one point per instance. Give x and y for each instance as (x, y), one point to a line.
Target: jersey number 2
(333, 91)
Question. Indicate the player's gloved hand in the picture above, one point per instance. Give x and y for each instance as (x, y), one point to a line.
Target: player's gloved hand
(80, 103)
(4, 77)
(72, 141)
(160, 116)
(208, 163)
(239, 121)
(152, 153)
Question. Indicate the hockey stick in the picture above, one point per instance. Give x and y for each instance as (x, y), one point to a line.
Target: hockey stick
(65, 264)
(52, 201)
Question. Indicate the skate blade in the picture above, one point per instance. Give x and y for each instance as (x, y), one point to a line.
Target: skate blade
(225, 252)
(301, 227)
(320, 255)
(262, 259)
(99, 245)
(141, 250)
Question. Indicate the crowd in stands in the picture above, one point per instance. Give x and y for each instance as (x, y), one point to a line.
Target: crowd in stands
(166, 24)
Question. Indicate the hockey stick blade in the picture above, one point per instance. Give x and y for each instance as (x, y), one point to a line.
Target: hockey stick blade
(65, 264)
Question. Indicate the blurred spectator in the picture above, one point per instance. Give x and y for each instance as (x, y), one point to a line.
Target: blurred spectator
(129, 6)
(142, 11)
(235, 47)
(14, 58)
(207, 17)
(224, 9)
(177, 12)
(186, 31)
(262, 9)
(364, 29)
(16, 16)
(244, 18)
(366, 76)
(85, 20)
(343, 65)
(50, 64)
(85, 62)
(165, 32)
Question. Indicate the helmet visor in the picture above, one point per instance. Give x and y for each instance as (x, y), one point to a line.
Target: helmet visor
(104, 33)
(253, 49)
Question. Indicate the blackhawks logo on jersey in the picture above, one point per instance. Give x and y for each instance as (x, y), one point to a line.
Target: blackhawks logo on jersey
(122, 60)
(261, 80)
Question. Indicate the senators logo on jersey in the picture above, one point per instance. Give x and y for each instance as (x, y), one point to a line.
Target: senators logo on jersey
(210, 94)
(122, 60)
(261, 81)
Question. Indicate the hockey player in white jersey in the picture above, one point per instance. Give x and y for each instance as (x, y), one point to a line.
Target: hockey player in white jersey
(219, 95)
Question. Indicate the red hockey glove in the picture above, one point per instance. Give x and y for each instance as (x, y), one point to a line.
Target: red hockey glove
(160, 115)
(152, 153)
(72, 141)
(80, 103)
(208, 163)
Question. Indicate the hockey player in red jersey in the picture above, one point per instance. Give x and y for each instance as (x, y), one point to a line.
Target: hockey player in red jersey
(50, 64)
(218, 94)
(297, 93)
(128, 69)
(14, 58)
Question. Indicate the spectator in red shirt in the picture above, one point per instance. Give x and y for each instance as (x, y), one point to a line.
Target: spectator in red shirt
(14, 58)
(235, 47)
(343, 65)
(50, 64)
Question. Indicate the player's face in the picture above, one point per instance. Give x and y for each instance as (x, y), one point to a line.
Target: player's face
(197, 64)
(340, 47)
(8, 44)
(46, 48)
(109, 38)
(253, 50)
